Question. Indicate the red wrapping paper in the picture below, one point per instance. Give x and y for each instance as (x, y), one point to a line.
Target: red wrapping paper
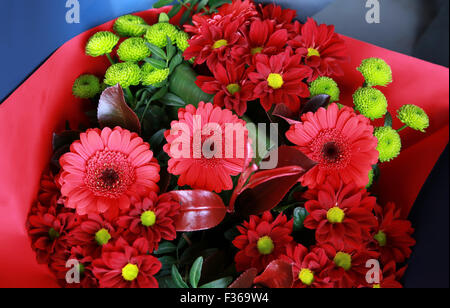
(43, 103)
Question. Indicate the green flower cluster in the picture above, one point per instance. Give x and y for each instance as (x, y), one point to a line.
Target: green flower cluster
(413, 116)
(376, 72)
(133, 50)
(371, 177)
(182, 40)
(325, 85)
(126, 74)
(370, 102)
(86, 86)
(151, 76)
(389, 143)
(158, 33)
(101, 43)
(130, 26)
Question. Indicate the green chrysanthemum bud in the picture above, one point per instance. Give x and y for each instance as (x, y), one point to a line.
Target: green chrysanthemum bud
(158, 33)
(325, 85)
(389, 143)
(86, 86)
(414, 117)
(182, 40)
(126, 74)
(370, 102)
(376, 72)
(152, 76)
(133, 50)
(130, 25)
(101, 43)
(371, 176)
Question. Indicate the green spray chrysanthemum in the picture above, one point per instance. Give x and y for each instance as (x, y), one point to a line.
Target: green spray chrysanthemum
(158, 33)
(414, 117)
(371, 176)
(126, 74)
(133, 50)
(130, 26)
(325, 85)
(86, 86)
(101, 43)
(152, 76)
(370, 102)
(376, 72)
(389, 143)
(182, 40)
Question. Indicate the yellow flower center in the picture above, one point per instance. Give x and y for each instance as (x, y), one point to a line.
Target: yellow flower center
(220, 43)
(130, 272)
(335, 215)
(306, 276)
(343, 260)
(377, 286)
(381, 238)
(265, 245)
(53, 234)
(102, 237)
(233, 88)
(256, 50)
(148, 218)
(313, 52)
(275, 81)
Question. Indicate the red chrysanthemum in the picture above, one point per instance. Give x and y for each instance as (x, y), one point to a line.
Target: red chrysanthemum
(125, 266)
(262, 240)
(278, 14)
(340, 141)
(204, 150)
(322, 49)
(104, 169)
(341, 214)
(390, 277)
(49, 192)
(239, 9)
(230, 86)
(152, 218)
(216, 41)
(279, 80)
(309, 268)
(392, 237)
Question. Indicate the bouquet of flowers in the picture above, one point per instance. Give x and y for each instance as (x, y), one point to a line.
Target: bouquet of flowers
(218, 144)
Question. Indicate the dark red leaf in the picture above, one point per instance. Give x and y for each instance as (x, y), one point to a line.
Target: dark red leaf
(245, 281)
(282, 111)
(278, 274)
(315, 103)
(200, 210)
(113, 111)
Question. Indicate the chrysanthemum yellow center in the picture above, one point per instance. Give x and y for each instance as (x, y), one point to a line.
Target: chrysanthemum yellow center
(377, 286)
(335, 215)
(256, 50)
(53, 234)
(343, 260)
(275, 81)
(265, 245)
(306, 276)
(220, 43)
(381, 238)
(233, 88)
(313, 52)
(130, 272)
(102, 237)
(148, 218)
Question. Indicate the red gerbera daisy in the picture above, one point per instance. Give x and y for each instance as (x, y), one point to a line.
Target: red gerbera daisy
(151, 218)
(230, 86)
(104, 169)
(309, 268)
(340, 141)
(323, 50)
(262, 240)
(340, 214)
(207, 146)
(125, 266)
(278, 80)
(392, 236)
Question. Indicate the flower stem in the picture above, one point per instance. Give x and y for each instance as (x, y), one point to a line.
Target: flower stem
(108, 55)
(130, 97)
(402, 128)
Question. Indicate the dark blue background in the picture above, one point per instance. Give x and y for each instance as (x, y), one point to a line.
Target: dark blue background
(32, 30)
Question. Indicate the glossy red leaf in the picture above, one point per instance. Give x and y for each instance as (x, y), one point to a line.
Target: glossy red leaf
(282, 111)
(246, 279)
(200, 210)
(278, 274)
(316, 102)
(113, 111)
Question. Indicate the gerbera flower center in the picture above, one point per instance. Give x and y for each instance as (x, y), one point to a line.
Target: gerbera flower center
(102, 237)
(130, 272)
(343, 260)
(331, 149)
(109, 173)
(313, 52)
(306, 276)
(335, 215)
(53, 234)
(148, 218)
(275, 81)
(265, 245)
(220, 43)
(256, 50)
(381, 238)
(233, 88)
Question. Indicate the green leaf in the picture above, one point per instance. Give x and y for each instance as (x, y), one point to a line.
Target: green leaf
(160, 94)
(185, 18)
(166, 282)
(218, 284)
(155, 141)
(300, 214)
(177, 60)
(162, 3)
(201, 5)
(165, 247)
(157, 64)
(196, 272)
(216, 3)
(156, 51)
(175, 10)
(388, 119)
(173, 100)
(167, 262)
(171, 49)
(177, 279)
